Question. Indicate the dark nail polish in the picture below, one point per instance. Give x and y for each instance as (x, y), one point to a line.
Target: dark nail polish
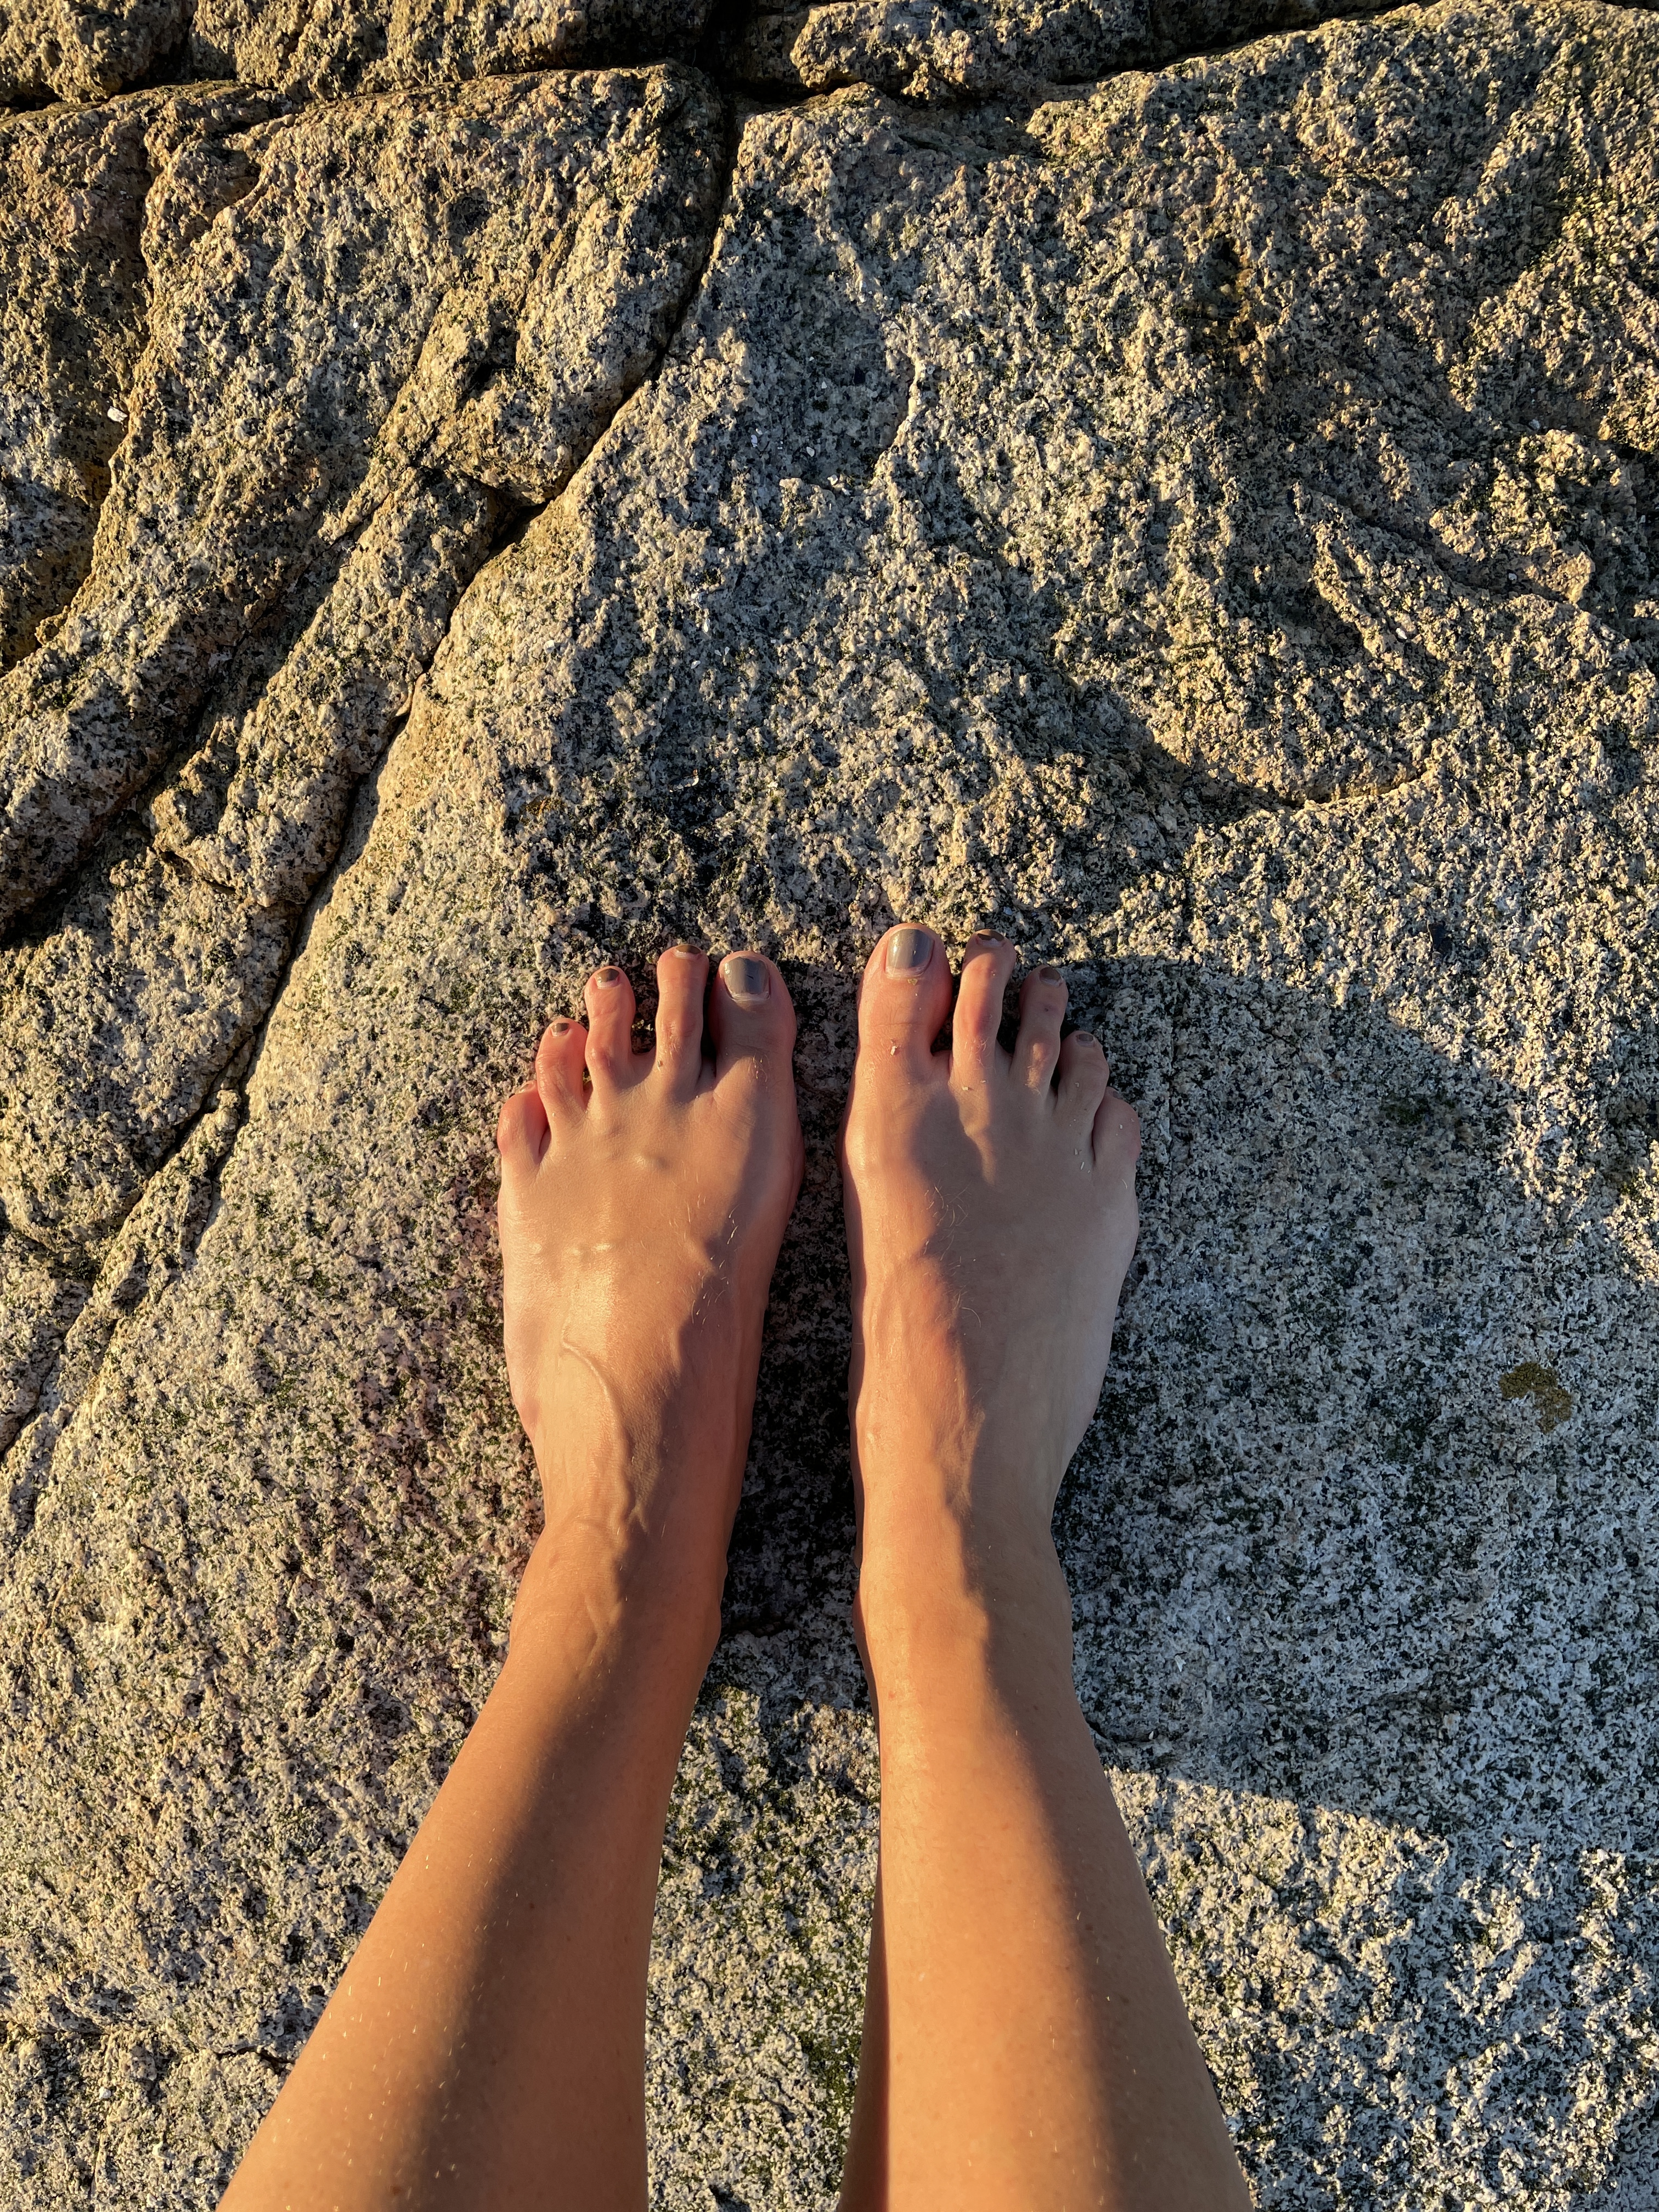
(559, 1026)
(746, 979)
(908, 951)
(686, 949)
(607, 978)
(1047, 975)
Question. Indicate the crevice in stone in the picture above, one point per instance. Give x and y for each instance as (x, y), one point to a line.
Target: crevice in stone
(729, 18)
(512, 515)
(517, 517)
(119, 1282)
(1168, 49)
(293, 603)
(170, 70)
(169, 67)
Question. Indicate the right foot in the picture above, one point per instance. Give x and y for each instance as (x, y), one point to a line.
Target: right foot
(990, 1218)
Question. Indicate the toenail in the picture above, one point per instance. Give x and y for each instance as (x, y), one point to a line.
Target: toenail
(1047, 975)
(908, 951)
(686, 949)
(607, 978)
(746, 979)
(559, 1025)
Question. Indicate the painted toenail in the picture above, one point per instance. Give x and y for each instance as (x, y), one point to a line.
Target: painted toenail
(559, 1026)
(1047, 975)
(607, 978)
(686, 949)
(908, 951)
(746, 979)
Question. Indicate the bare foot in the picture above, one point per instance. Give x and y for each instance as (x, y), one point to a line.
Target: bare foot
(991, 1217)
(643, 1201)
(1024, 2042)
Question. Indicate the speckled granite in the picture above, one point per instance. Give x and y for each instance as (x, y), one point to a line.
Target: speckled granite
(251, 632)
(1206, 523)
(75, 50)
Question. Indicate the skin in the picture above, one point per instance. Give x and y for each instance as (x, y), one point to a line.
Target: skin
(1025, 2044)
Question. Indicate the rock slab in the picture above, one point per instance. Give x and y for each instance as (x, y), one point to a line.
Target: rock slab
(1204, 521)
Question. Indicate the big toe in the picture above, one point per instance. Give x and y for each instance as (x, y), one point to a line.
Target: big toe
(751, 1016)
(903, 1000)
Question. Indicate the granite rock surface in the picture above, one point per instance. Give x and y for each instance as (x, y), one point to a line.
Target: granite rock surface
(941, 51)
(78, 52)
(1203, 518)
(250, 632)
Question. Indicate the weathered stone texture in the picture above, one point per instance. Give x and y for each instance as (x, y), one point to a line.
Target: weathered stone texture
(1206, 524)
(322, 338)
(944, 51)
(365, 48)
(307, 481)
(71, 201)
(82, 53)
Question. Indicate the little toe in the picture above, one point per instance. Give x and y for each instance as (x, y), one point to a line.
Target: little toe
(1083, 1075)
(1042, 1010)
(750, 1012)
(987, 961)
(682, 981)
(609, 998)
(904, 999)
(560, 1059)
(522, 1132)
(1117, 1139)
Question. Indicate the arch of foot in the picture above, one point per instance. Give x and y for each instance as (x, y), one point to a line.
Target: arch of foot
(1202, 524)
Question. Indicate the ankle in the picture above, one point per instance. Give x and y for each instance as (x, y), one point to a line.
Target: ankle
(945, 1583)
(642, 1473)
(593, 1596)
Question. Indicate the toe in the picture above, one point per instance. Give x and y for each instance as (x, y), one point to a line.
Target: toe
(522, 1132)
(750, 1012)
(682, 981)
(1117, 1138)
(1083, 1073)
(1041, 1010)
(986, 964)
(609, 998)
(560, 1059)
(902, 1001)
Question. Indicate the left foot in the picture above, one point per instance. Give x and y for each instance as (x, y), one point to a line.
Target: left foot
(643, 1199)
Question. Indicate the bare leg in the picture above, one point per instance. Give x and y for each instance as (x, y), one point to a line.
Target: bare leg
(486, 2045)
(1025, 2044)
